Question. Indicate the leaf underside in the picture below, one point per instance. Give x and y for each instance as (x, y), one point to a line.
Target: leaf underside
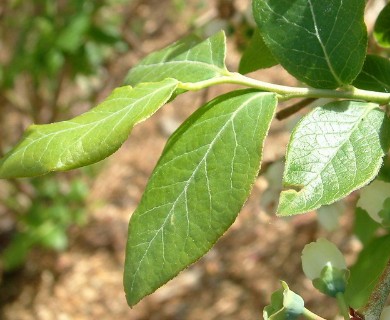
(198, 187)
(333, 151)
(87, 138)
(322, 43)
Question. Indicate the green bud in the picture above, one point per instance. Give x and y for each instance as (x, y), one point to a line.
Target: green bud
(285, 305)
(332, 280)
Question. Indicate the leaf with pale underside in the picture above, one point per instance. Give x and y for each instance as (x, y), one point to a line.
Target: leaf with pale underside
(322, 43)
(333, 151)
(188, 60)
(198, 187)
(375, 75)
(87, 138)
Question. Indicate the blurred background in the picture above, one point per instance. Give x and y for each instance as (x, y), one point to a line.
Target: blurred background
(63, 236)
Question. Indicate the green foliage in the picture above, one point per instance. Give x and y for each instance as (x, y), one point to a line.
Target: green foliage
(198, 187)
(365, 227)
(87, 138)
(366, 271)
(210, 163)
(322, 43)
(320, 147)
(256, 55)
(46, 45)
(375, 74)
(188, 60)
(382, 27)
(46, 221)
(78, 36)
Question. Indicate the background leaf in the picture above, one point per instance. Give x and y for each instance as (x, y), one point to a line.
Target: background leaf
(198, 187)
(365, 274)
(333, 151)
(256, 55)
(372, 198)
(87, 138)
(188, 60)
(364, 227)
(322, 43)
(382, 27)
(375, 74)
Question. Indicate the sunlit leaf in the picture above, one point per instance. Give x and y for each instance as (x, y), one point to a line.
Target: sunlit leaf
(382, 27)
(333, 151)
(197, 189)
(188, 60)
(322, 43)
(87, 138)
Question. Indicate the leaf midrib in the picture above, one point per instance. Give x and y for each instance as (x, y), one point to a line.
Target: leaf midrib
(234, 114)
(326, 56)
(126, 109)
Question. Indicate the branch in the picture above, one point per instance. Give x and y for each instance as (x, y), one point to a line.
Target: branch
(373, 309)
(286, 92)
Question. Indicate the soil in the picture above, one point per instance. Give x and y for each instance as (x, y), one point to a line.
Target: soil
(234, 280)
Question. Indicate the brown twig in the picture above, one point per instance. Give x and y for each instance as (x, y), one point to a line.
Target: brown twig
(289, 111)
(54, 107)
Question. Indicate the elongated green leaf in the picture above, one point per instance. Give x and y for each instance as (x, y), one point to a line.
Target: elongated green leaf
(87, 138)
(188, 60)
(198, 187)
(256, 56)
(322, 43)
(366, 271)
(333, 151)
(382, 27)
(375, 74)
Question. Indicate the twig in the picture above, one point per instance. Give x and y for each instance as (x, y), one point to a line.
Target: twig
(289, 111)
(372, 310)
(54, 107)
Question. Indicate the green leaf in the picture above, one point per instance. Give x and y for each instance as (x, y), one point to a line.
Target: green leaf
(382, 27)
(375, 74)
(256, 55)
(364, 226)
(73, 35)
(366, 271)
(188, 60)
(322, 43)
(87, 138)
(198, 187)
(372, 198)
(333, 151)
